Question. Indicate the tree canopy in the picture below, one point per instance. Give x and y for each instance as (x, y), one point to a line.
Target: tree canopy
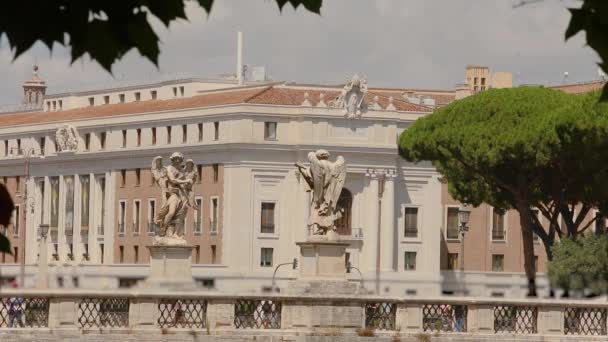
(106, 30)
(521, 148)
(581, 264)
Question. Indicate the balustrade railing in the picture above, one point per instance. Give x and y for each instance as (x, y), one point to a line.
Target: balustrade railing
(515, 319)
(444, 318)
(182, 313)
(380, 315)
(24, 312)
(585, 321)
(23, 309)
(257, 314)
(103, 312)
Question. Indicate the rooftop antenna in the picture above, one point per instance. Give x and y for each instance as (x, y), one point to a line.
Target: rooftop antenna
(565, 77)
(239, 58)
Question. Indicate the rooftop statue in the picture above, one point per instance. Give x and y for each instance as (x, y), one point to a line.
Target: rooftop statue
(175, 182)
(325, 179)
(66, 138)
(352, 98)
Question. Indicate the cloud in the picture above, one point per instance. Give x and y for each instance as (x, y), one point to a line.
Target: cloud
(395, 43)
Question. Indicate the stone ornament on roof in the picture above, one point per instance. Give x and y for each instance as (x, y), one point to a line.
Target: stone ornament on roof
(352, 98)
(66, 139)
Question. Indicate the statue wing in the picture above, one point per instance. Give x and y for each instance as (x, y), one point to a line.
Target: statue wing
(318, 177)
(338, 176)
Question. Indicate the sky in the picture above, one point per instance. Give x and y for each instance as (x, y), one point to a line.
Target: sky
(392, 43)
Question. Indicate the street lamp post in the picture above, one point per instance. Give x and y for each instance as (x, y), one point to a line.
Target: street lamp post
(463, 216)
(42, 281)
(27, 154)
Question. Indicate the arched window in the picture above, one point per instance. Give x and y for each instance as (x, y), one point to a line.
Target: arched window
(345, 202)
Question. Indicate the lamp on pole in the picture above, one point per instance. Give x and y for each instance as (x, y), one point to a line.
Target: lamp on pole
(463, 217)
(42, 281)
(28, 154)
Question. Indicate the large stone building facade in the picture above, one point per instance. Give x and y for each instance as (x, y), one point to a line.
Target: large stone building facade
(250, 204)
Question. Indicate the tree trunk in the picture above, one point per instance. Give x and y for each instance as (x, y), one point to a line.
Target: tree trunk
(528, 247)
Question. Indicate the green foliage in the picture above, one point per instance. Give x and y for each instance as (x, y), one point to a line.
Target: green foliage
(105, 30)
(581, 264)
(6, 210)
(591, 18)
(526, 142)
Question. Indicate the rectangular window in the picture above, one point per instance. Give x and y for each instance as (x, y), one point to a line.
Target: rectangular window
(91, 101)
(266, 257)
(153, 135)
(200, 132)
(19, 152)
(214, 254)
(136, 216)
(452, 261)
(270, 130)
(16, 254)
(214, 208)
(138, 136)
(16, 220)
(181, 90)
(498, 262)
(184, 133)
(87, 141)
(168, 134)
(124, 138)
(199, 169)
(85, 255)
(198, 215)
(410, 261)
(102, 204)
(106, 99)
(137, 96)
(101, 253)
(151, 216)
(71, 251)
(123, 178)
(121, 256)
(411, 222)
(122, 217)
(137, 177)
(60, 104)
(174, 91)
(85, 191)
(267, 219)
(498, 226)
(18, 184)
(42, 145)
(452, 223)
(216, 172)
(153, 94)
(121, 98)
(216, 130)
(136, 254)
(102, 140)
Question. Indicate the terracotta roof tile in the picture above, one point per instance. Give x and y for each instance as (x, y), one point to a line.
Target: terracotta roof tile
(578, 88)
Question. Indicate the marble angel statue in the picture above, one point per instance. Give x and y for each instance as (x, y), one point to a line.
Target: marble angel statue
(325, 179)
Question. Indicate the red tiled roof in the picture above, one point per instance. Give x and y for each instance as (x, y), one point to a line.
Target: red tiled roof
(578, 88)
(271, 95)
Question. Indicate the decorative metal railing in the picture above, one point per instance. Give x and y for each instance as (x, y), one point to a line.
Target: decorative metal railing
(24, 312)
(444, 318)
(380, 315)
(257, 314)
(103, 312)
(515, 319)
(585, 321)
(182, 313)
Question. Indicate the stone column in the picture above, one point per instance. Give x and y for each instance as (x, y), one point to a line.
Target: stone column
(387, 231)
(370, 231)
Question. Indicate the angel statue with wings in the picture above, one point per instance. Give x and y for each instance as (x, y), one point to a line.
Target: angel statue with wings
(325, 179)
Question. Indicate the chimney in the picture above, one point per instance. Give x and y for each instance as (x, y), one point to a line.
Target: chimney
(34, 89)
(239, 58)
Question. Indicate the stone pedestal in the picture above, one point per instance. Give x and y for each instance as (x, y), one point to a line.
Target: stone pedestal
(170, 267)
(322, 268)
